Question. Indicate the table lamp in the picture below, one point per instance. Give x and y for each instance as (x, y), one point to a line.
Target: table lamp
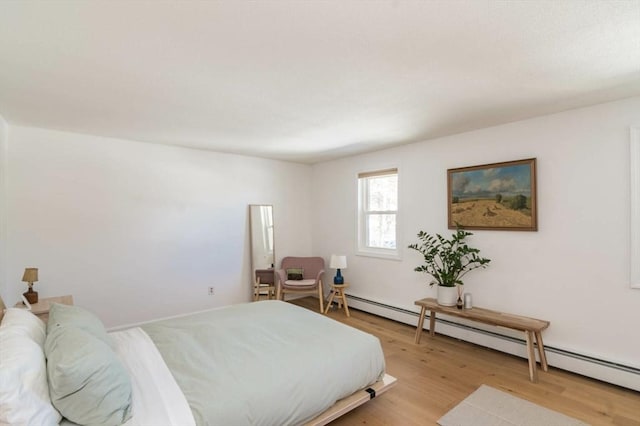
(30, 276)
(338, 262)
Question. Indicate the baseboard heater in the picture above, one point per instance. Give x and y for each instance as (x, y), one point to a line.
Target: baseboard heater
(549, 349)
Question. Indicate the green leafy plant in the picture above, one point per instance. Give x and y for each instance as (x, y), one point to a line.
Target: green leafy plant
(447, 260)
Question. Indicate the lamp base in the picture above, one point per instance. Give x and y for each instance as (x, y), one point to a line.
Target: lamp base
(31, 296)
(338, 279)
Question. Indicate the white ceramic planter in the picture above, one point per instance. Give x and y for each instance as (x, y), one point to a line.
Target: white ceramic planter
(447, 296)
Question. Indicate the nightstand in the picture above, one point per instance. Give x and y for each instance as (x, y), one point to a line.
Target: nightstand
(337, 290)
(41, 309)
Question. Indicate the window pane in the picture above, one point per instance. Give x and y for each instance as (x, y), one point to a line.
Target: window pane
(383, 193)
(381, 231)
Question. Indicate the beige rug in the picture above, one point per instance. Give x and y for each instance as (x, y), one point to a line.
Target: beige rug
(490, 407)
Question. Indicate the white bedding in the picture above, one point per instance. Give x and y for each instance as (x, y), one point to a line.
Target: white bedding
(157, 399)
(266, 363)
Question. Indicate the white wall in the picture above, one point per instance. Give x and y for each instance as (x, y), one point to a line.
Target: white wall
(572, 272)
(138, 231)
(4, 135)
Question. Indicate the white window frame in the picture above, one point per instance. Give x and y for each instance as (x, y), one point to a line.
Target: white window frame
(634, 148)
(361, 248)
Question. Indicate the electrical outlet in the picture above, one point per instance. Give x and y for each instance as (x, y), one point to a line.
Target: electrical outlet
(212, 291)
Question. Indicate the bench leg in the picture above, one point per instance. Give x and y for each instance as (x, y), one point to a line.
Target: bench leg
(533, 372)
(432, 323)
(423, 310)
(543, 357)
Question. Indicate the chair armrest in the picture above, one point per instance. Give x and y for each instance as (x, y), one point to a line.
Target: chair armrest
(281, 276)
(320, 272)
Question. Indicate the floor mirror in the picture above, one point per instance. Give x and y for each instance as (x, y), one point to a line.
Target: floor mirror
(262, 251)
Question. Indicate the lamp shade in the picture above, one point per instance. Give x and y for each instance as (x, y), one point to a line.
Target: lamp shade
(338, 262)
(30, 275)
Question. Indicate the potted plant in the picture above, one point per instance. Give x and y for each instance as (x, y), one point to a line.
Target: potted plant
(447, 261)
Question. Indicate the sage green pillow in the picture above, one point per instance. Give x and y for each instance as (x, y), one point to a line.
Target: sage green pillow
(75, 316)
(87, 382)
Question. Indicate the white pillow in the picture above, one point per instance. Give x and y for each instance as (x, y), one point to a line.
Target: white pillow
(25, 323)
(24, 393)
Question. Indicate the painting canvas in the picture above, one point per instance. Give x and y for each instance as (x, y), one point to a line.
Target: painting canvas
(499, 196)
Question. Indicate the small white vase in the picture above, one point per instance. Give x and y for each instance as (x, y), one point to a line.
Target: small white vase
(447, 296)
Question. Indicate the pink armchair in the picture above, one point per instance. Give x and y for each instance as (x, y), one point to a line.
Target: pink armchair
(310, 281)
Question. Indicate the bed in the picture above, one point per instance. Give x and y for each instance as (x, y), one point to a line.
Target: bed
(263, 363)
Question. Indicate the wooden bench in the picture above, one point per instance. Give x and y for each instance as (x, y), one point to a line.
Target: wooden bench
(531, 327)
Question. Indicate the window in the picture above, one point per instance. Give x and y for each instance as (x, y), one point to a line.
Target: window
(378, 213)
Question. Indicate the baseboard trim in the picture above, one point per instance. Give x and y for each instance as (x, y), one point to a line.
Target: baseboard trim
(611, 372)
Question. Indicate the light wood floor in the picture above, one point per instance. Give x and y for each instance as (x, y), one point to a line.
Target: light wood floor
(437, 374)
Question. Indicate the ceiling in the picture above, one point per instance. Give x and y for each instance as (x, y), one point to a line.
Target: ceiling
(308, 81)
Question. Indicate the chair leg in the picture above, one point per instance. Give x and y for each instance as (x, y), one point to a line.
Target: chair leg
(321, 298)
(256, 289)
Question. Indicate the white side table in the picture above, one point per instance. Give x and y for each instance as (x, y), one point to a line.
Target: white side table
(41, 309)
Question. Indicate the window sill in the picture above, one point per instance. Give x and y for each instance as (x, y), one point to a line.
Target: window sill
(380, 255)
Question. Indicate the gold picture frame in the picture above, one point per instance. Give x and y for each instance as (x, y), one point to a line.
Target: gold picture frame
(497, 196)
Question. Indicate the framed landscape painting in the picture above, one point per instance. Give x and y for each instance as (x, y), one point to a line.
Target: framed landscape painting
(500, 196)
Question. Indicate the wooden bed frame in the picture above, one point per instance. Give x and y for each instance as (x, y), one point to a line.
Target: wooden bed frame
(339, 408)
(353, 401)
